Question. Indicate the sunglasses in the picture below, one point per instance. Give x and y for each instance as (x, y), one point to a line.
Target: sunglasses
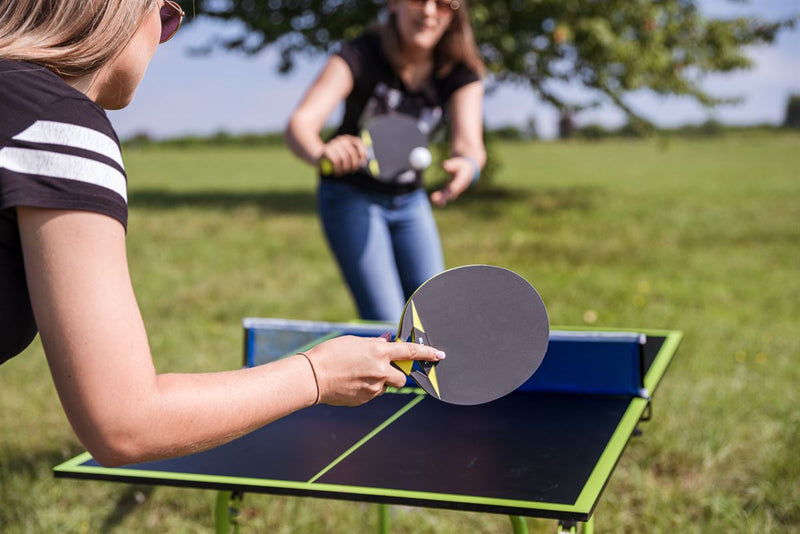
(443, 6)
(171, 18)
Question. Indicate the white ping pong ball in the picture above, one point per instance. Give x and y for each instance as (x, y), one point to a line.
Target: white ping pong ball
(420, 158)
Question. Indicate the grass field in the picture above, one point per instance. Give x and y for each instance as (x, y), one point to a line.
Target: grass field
(701, 236)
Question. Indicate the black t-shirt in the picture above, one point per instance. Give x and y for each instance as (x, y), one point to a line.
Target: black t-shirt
(57, 150)
(378, 90)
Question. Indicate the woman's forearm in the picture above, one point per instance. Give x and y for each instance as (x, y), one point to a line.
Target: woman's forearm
(169, 415)
(330, 88)
(467, 123)
(183, 413)
(302, 138)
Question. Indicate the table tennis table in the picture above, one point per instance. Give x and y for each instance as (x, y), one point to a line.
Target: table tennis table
(546, 450)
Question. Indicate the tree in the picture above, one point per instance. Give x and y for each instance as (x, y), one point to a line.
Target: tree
(610, 47)
(615, 47)
(792, 119)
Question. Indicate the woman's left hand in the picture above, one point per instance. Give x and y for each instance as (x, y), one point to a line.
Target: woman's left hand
(462, 173)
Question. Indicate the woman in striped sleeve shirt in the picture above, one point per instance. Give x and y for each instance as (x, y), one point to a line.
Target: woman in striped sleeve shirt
(63, 265)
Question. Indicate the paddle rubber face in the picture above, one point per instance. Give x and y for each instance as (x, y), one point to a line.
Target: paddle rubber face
(491, 323)
(389, 140)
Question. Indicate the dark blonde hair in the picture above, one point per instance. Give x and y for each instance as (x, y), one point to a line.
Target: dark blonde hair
(69, 37)
(457, 45)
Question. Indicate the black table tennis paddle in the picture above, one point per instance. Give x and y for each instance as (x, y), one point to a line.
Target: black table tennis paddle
(390, 141)
(491, 323)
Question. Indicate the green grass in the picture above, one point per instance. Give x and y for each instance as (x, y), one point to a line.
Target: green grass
(700, 236)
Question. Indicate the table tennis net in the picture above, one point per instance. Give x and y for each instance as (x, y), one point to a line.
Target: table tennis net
(607, 363)
(598, 363)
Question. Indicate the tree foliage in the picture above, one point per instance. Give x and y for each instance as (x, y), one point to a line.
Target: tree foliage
(610, 47)
(792, 119)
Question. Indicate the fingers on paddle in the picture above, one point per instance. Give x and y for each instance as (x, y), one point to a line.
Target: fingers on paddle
(414, 351)
(355, 153)
(362, 150)
(397, 379)
(346, 154)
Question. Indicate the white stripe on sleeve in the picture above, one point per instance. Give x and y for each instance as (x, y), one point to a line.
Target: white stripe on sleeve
(61, 133)
(65, 166)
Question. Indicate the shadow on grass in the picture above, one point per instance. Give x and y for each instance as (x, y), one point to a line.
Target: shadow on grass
(18, 464)
(494, 201)
(28, 463)
(127, 501)
(488, 202)
(299, 201)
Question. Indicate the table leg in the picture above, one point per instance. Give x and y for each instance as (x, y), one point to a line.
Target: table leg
(383, 519)
(588, 527)
(519, 524)
(226, 512)
(573, 527)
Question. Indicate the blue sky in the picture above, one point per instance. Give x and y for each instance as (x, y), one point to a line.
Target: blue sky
(183, 94)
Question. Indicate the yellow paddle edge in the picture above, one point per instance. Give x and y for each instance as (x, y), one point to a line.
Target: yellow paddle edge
(406, 365)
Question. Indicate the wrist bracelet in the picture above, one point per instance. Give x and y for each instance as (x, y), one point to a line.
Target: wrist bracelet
(313, 372)
(476, 167)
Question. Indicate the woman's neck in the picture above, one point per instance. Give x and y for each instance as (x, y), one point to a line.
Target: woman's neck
(414, 54)
(416, 67)
(86, 84)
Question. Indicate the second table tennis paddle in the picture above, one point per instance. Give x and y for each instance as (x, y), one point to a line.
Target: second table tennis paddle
(390, 141)
(491, 323)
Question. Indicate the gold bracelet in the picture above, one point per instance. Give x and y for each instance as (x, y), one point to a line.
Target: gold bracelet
(313, 372)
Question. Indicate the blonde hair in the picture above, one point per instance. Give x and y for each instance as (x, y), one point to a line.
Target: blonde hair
(457, 45)
(69, 37)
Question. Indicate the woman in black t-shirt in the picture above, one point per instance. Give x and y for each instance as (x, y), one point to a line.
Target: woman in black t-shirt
(422, 62)
(63, 265)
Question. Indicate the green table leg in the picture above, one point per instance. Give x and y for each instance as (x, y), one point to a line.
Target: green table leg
(383, 519)
(573, 527)
(519, 524)
(588, 527)
(226, 512)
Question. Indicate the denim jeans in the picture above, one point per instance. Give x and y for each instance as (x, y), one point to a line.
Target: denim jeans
(386, 245)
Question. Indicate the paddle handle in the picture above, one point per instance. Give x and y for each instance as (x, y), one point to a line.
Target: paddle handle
(326, 167)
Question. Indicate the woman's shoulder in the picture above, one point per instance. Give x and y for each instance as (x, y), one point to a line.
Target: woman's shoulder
(34, 82)
(57, 147)
(460, 71)
(364, 57)
(366, 48)
(31, 93)
(369, 42)
(457, 76)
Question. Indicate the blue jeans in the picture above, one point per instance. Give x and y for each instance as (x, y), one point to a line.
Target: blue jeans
(386, 245)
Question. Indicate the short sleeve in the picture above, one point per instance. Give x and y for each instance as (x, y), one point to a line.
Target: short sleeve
(363, 55)
(365, 60)
(457, 78)
(64, 155)
(352, 54)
